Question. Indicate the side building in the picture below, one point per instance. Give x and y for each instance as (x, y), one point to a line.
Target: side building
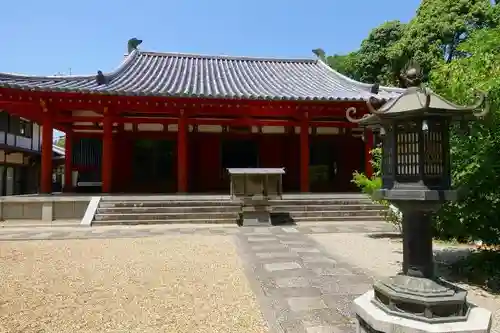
(20, 155)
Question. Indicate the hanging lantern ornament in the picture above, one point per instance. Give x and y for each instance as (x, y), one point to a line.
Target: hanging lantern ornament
(416, 178)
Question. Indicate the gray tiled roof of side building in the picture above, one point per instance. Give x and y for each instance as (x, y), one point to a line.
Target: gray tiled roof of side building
(189, 75)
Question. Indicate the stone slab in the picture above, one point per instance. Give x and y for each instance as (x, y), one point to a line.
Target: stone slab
(281, 266)
(298, 304)
(274, 255)
(293, 282)
(268, 247)
(305, 250)
(294, 242)
(261, 239)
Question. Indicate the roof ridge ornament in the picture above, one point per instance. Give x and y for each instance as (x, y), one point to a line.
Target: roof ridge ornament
(101, 79)
(133, 44)
(412, 75)
(320, 53)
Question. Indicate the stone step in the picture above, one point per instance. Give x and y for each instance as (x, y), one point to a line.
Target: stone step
(166, 216)
(339, 220)
(284, 219)
(299, 214)
(222, 215)
(169, 221)
(296, 208)
(182, 209)
(176, 203)
(307, 202)
(277, 209)
(198, 203)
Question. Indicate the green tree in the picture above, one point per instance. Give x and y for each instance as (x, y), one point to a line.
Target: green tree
(371, 63)
(60, 141)
(432, 37)
(476, 157)
(375, 63)
(439, 27)
(344, 64)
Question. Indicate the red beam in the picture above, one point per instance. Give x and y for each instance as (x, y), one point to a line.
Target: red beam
(85, 127)
(66, 100)
(342, 124)
(221, 122)
(120, 120)
(15, 103)
(71, 119)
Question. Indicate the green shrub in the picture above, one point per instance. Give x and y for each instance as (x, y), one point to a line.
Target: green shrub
(369, 185)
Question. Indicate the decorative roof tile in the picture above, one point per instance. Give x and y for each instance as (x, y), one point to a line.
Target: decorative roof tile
(188, 75)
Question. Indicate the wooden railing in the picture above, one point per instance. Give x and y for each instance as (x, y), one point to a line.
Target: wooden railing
(19, 141)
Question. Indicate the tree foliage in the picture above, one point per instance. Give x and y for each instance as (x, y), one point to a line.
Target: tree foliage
(375, 62)
(475, 157)
(432, 37)
(457, 44)
(371, 63)
(60, 142)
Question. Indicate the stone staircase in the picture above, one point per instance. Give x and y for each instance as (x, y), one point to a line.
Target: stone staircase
(334, 209)
(123, 210)
(164, 210)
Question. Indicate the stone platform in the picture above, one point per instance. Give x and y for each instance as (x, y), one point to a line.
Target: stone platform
(180, 209)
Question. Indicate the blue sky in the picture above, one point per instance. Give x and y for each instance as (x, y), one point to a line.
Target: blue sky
(81, 37)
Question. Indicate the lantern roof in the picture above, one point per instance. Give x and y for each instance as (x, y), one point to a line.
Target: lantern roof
(417, 101)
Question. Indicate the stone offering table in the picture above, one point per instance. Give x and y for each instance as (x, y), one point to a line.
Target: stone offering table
(254, 187)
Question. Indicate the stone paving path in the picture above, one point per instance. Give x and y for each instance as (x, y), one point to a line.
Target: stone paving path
(300, 287)
(40, 233)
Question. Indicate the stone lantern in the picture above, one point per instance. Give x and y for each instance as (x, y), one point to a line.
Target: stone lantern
(416, 178)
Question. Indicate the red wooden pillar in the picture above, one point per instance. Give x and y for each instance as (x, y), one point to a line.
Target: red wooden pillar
(182, 165)
(304, 155)
(107, 152)
(369, 141)
(68, 161)
(46, 172)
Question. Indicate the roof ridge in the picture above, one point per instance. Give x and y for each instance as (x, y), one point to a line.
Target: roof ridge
(112, 73)
(359, 83)
(227, 57)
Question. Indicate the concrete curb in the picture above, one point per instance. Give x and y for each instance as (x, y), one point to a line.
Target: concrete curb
(90, 212)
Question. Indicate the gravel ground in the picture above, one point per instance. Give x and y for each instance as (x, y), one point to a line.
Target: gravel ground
(160, 284)
(382, 257)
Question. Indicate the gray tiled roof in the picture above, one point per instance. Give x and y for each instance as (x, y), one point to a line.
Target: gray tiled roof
(188, 75)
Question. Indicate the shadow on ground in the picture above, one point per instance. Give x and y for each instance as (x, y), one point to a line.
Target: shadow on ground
(461, 264)
(477, 268)
(277, 219)
(389, 235)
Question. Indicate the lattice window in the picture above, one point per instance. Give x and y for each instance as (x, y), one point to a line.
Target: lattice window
(387, 152)
(407, 151)
(433, 148)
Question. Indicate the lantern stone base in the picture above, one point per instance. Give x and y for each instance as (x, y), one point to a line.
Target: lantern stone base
(256, 213)
(372, 319)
